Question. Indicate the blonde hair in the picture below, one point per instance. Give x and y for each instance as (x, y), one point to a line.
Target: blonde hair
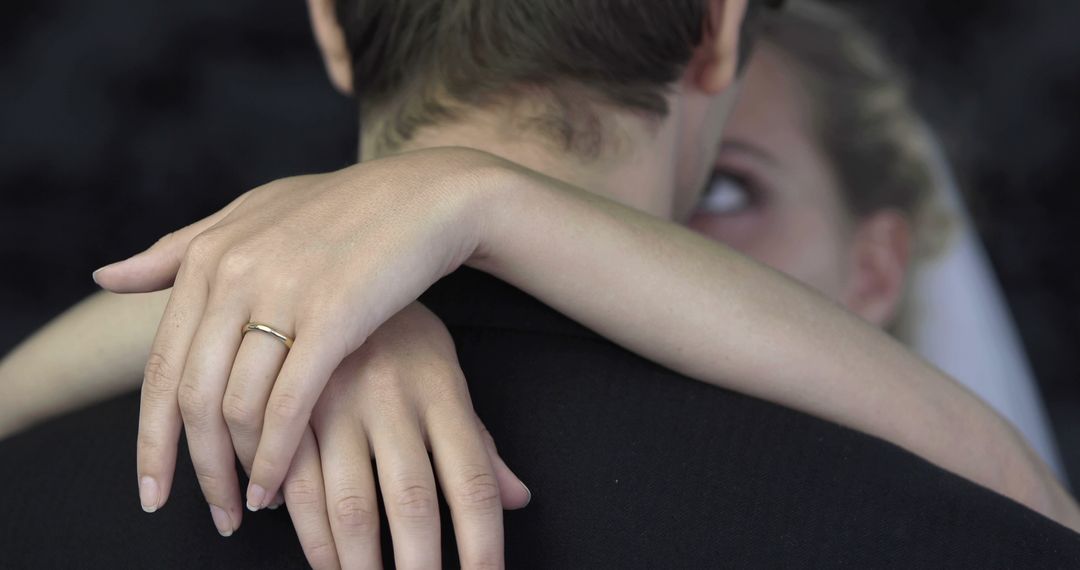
(883, 153)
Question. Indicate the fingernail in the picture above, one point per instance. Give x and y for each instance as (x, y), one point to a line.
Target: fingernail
(527, 492)
(221, 521)
(94, 274)
(277, 502)
(255, 497)
(149, 494)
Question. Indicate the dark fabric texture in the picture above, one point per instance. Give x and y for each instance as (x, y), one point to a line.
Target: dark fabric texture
(631, 466)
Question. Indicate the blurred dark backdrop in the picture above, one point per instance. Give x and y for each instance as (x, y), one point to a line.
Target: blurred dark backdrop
(122, 119)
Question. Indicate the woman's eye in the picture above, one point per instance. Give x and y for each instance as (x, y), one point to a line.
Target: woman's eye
(726, 194)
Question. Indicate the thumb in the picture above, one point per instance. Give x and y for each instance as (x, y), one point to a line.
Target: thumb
(151, 270)
(155, 268)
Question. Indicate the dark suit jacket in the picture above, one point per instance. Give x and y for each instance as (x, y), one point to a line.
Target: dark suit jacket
(634, 466)
(630, 465)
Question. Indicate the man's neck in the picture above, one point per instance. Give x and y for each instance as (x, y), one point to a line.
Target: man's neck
(635, 166)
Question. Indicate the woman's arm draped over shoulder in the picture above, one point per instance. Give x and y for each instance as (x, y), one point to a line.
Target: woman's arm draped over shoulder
(704, 310)
(667, 294)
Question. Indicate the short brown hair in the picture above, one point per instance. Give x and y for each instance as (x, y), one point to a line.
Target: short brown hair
(416, 62)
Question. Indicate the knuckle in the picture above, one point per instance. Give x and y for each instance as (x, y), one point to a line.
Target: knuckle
(355, 514)
(210, 483)
(487, 561)
(240, 416)
(321, 553)
(303, 492)
(478, 490)
(235, 265)
(288, 408)
(267, 462)
(195, 405)
(148, 447)
(159, 377)
(202, 247)
(416, 502)
(382, 383)
(444, 399)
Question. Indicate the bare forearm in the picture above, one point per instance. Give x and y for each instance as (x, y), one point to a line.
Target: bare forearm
(93, 350)
(701, 309)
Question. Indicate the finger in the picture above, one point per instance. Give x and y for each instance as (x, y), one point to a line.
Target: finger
(303, 376)
(156, 267)
(252, 378)
(513, 492)
(159, 411)
(350, 491)
(202, 388)
(306, 500)
(468, 481)
(408, 489)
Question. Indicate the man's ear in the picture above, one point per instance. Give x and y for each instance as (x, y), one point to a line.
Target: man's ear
(715, 61)
(879, 265)
(331, 40)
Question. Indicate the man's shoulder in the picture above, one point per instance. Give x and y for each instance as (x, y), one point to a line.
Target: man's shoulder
(468, 298)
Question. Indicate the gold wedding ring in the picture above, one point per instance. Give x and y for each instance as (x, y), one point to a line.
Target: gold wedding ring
(253, 326)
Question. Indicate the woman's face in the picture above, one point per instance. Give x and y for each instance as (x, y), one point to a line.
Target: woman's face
(774, 195)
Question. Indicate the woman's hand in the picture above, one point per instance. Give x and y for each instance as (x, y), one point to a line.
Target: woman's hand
(324, 259)
(398, 397)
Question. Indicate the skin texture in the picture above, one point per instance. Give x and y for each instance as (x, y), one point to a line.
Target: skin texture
(306, 466)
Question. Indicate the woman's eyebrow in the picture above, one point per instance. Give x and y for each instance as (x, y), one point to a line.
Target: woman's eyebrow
(746, 147)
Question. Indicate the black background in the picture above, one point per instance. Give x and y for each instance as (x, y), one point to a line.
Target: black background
(123, 119)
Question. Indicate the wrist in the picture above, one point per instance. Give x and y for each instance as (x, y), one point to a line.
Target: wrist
(953, 429)
(463, 189)
(1017, 471)
(500, 211)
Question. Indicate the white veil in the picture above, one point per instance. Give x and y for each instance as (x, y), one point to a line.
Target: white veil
(959, 321)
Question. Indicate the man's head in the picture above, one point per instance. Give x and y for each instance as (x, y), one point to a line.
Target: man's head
(568, 74)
